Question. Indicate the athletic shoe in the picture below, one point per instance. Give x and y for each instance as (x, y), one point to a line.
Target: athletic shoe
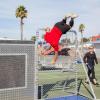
(96, 83)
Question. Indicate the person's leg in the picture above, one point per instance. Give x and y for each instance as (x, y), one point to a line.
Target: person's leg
(89, 73)
(46, 52)
(93, 75)
(55, 58)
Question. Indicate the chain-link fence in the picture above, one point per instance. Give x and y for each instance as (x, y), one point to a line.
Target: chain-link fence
(67, 77)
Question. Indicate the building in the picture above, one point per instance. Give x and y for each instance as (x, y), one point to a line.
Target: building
(95, 38)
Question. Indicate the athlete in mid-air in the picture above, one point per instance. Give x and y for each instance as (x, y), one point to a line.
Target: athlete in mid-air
(53, 36)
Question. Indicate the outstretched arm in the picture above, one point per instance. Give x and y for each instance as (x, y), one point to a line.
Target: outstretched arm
(95, 59)
(64, 20)
(71, 23)
(85, 58)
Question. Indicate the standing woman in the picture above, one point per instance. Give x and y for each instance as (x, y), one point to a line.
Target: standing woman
(53, 36)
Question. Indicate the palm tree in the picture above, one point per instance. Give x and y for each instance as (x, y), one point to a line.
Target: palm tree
(21, 13)
(81, 29)
(33, 38)
(42, 36)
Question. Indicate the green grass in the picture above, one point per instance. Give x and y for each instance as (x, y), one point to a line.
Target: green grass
(53, 82)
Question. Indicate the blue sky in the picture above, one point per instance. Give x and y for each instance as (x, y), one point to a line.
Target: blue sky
(42, 13)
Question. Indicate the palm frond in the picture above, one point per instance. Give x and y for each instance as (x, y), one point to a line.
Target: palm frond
(81, 27)
(21, 12)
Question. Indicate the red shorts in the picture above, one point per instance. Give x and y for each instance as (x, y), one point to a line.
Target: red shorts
(53, 37)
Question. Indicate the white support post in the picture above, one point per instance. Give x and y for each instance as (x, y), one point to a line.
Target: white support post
(36, 74)
(78, 52)
(86, 74)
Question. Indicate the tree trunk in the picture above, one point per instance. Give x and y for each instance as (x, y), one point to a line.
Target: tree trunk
(21, 28)
(82, 42)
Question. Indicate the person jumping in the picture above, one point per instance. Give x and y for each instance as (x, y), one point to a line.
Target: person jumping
(53, 36)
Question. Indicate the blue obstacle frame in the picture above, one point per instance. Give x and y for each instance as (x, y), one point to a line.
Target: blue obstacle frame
(73, 97)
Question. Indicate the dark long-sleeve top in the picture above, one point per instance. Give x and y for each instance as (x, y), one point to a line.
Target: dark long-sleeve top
(91, 59)
(63, 26)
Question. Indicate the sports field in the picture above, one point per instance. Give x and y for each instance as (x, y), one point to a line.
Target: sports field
(57, 83)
